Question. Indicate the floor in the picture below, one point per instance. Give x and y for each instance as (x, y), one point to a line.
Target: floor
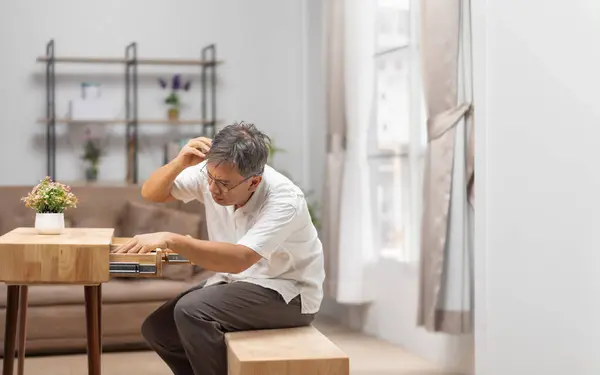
(368, 356)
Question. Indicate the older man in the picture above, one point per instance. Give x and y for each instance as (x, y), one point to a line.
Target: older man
(263, 247)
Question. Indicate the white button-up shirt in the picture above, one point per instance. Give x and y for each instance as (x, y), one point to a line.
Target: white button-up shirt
(275, 223)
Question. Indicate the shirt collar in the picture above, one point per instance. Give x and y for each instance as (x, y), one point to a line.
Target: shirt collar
(256, 199)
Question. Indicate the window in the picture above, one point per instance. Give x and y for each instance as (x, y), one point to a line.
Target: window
(397, 137)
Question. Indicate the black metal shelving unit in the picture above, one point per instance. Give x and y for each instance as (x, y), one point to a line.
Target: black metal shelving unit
(131, 113)
(50, 110)
(207, 62)
(209, 53)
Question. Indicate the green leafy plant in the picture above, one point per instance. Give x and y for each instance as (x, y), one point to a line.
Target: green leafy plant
(50, 197)
(92, 152)
(274, 150)
(313, 206)
(173, 100)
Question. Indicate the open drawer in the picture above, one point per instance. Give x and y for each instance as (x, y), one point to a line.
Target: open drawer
(140, 265)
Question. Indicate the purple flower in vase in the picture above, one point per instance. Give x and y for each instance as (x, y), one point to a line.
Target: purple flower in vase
(173, 99)
(176, 82)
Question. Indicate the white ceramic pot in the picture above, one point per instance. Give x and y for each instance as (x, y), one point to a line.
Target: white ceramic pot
(49, 223)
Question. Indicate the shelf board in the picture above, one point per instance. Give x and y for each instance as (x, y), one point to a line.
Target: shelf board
(121, 60)
(124, 121)
(90, 60)
(100, 183)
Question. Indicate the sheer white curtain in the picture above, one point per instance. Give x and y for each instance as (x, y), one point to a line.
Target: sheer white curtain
(356, 242)
(347, 259)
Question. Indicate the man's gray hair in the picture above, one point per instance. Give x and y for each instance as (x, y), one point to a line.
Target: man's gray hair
(243, 145)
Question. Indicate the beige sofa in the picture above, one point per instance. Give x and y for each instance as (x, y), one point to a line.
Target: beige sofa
(56, 315)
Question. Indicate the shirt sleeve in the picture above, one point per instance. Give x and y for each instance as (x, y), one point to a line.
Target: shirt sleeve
(277, 220)
(190, 184)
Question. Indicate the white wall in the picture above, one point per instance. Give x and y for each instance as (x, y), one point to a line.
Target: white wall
(538, 184)
(263, 43)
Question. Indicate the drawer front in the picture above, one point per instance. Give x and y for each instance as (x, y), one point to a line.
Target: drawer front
(140, 265)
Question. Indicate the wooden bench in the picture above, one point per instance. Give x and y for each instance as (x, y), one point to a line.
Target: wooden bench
(291, 351)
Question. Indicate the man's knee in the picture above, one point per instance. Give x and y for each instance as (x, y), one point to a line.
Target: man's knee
(190, 310)
(158, 329)
(150, 329)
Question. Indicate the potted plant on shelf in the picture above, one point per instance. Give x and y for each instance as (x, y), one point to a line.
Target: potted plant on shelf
(50, 199)
(173, 100)
(92, 153)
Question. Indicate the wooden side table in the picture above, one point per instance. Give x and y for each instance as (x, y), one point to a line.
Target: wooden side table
(78, 256)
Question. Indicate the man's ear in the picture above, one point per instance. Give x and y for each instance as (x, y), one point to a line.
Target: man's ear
(254, 183)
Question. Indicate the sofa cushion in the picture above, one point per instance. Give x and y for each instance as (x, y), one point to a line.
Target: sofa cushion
(114, 291)
(139, 217)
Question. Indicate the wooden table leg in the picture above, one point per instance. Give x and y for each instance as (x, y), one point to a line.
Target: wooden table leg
(10, 328)
(22, 328)
(93, 298)
(100, 318)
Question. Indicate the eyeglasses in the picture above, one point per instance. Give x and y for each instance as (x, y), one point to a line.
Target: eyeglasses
(223, 188)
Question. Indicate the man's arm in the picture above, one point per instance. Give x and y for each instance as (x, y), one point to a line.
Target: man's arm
(213, 256)
(277, 220)
(160, 184)
(158, 187)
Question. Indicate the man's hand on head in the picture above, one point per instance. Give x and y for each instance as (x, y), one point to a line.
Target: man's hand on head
(145, 243)
(194, 152)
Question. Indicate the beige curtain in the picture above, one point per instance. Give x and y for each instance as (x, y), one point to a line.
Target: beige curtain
(445, 303)
(336, 139)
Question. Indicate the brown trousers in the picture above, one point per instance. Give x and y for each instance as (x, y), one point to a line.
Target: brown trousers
(188, 331)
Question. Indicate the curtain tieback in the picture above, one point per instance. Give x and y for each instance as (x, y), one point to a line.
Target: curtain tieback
(440, 124)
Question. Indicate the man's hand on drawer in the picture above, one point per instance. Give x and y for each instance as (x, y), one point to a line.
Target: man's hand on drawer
(145, 243)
